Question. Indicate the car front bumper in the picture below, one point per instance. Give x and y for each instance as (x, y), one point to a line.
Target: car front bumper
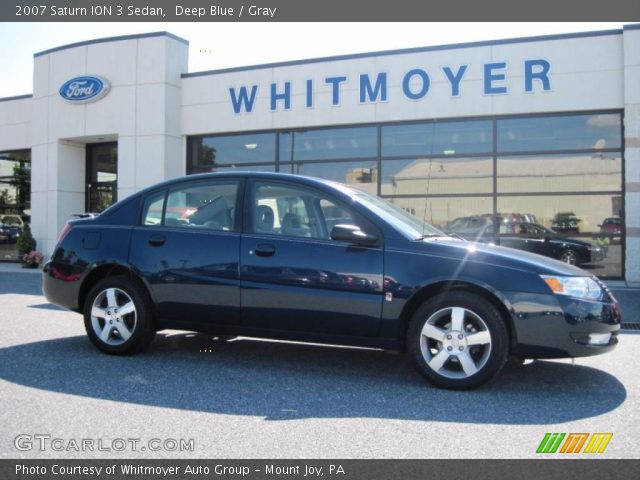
(556, 326)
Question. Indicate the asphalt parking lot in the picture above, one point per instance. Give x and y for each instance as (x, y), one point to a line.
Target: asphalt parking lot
(258, 399)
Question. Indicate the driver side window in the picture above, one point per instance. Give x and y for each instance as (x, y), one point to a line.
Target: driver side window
(278, 209)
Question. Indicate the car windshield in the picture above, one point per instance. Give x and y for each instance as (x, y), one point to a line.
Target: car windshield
(401, 219)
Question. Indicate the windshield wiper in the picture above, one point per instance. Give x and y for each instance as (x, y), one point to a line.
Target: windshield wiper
(431, 235)
(440, 235)
(455, 235)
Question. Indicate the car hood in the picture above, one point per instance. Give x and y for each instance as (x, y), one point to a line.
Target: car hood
(571, 241)
(495, 255)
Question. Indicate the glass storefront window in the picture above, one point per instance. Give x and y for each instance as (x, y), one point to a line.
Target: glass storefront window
(15, 200)
(577, 172)
(581, 219)
(328, 144)
(563, 171)
(575, 214)
(363, 175)
(566, 132)
(211, 151)
(447, 138)
(443, 212)
(424, 176)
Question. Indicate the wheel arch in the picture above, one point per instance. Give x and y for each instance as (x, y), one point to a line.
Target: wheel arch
(429, 291)
(109, 269)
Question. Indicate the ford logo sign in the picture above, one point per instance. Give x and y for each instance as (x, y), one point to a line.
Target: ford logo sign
(85, 89)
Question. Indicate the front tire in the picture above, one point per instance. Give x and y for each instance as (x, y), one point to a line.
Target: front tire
(569, 256)
(458, 340)
(118, 316)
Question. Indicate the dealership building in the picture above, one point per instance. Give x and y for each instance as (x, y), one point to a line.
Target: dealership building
(540, 128)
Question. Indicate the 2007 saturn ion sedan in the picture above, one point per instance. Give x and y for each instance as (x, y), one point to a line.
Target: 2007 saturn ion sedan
(295, 258)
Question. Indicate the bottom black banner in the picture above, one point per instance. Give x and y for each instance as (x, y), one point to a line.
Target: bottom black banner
(542, 469)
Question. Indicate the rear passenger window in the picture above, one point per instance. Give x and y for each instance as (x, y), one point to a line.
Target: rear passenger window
(153, 207)
(208, 206)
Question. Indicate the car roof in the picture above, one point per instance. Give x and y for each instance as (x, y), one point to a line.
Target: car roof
(300, 179)
(239, 173)
(247, 174)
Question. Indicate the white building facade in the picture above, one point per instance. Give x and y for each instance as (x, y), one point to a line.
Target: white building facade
(543, 128)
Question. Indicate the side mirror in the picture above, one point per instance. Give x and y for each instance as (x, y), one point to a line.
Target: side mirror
(352, 234)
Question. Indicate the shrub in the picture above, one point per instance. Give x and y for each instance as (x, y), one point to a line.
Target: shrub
(26, 243)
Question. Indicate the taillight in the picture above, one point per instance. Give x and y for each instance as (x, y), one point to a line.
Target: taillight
(65, 231)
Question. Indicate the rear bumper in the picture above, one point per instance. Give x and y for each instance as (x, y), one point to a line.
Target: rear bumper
(553, 326)
(60, 287)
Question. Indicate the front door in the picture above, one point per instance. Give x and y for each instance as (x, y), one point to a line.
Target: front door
(102, 176)
(294, 277)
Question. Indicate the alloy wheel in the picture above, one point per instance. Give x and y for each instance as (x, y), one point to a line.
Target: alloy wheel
(113, 316)
(455, 342)
(569, 257)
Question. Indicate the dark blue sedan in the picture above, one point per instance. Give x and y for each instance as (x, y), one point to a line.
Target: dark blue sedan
(303, 259)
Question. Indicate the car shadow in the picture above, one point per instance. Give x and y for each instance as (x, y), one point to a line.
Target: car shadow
(283, 381)
(47, 306)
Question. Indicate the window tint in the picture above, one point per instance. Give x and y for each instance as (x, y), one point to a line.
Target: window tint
(204, 205)
(298, 212)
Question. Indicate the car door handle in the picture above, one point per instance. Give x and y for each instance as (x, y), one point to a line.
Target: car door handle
(265, 250)
(156, 240)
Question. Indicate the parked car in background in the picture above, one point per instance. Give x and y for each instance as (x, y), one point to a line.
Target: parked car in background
(566, 222)
(5, 234)
(473, 224)
(263, 255)
(543, 241)
(612, 227)
(526, 236)
(10, 228)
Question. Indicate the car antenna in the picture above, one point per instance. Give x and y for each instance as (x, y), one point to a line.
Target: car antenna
(426, 193)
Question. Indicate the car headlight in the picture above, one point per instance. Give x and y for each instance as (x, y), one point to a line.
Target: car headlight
(581, 287)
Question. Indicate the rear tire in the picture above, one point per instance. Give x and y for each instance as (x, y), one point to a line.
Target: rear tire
(118, 316)
(458, 340)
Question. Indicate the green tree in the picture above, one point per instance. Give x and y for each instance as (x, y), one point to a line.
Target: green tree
(26, 242)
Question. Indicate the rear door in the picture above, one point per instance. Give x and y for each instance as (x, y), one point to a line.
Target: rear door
(187, 247)
(294, 276)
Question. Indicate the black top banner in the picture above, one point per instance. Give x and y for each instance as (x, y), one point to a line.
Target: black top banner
(314, 10)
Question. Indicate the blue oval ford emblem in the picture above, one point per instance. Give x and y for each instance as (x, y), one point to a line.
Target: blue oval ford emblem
(84, 89)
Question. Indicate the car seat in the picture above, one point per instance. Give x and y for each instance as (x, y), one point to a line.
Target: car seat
(292, 225)
(263, 219)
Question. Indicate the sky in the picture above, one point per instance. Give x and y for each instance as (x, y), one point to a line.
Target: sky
(223, 45)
